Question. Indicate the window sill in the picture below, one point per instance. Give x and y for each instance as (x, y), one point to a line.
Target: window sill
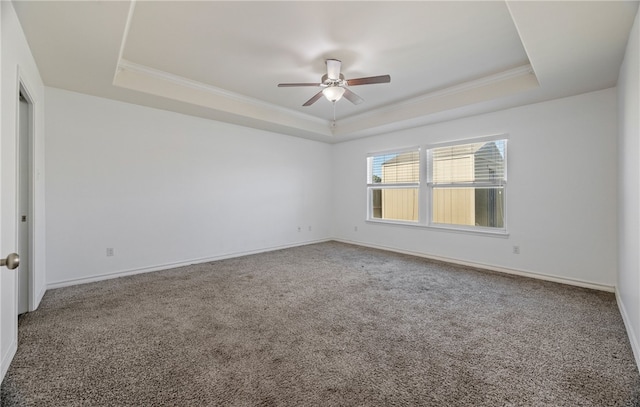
(463, 230)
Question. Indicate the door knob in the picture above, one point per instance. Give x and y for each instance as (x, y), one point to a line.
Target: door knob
(12, 261)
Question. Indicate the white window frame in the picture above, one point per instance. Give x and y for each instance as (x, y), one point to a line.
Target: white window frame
(425, 189)
(371, 186)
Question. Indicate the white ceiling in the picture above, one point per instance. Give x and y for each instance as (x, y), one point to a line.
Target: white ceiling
(223, 60)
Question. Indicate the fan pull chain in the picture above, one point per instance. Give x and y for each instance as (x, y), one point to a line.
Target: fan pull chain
(334, 115)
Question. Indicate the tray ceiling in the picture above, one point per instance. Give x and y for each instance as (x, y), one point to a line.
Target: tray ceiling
(223, 60)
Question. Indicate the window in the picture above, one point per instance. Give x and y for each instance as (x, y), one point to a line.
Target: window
(466, 184)
(462, 185)
(393, 185)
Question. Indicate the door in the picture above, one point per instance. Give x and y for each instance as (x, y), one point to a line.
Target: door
(9, 144)
(8, 244)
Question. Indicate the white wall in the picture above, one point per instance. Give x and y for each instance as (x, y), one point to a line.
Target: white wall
(162, 188)
(17, 62)
(561, 197)
(629, 187)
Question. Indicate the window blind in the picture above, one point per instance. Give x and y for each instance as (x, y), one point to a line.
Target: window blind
(472, 163)
(395, 168)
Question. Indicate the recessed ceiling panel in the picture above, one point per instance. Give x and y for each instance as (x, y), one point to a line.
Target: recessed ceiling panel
(249, 47)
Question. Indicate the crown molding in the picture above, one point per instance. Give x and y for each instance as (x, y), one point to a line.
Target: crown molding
(125, 65)
(423, 109)
(462, 87)
(125, 36)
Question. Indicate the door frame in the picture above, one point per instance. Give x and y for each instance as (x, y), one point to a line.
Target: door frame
(22, 86)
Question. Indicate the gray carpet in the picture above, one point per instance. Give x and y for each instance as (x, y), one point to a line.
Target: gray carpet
(323, 325)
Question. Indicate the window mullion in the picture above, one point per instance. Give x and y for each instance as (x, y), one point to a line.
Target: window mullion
(423, 194)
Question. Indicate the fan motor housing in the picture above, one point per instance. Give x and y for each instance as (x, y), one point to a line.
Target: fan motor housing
(328, 82)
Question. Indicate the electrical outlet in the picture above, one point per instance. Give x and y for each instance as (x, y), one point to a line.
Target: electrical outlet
(299, 229)
(355, 228)
(109, 251)
(516, 249)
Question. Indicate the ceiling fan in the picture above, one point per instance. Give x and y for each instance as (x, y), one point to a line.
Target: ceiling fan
(334, 85)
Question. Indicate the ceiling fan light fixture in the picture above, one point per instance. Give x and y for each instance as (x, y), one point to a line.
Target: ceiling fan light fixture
(334, 85)
(333, 93)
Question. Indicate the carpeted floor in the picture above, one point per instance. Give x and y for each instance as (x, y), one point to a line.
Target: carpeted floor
(323, 325)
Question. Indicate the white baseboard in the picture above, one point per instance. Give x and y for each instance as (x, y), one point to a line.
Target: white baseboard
(39, 297)
(523, 273)
(166, 266)
(635, 345)
(129, 272)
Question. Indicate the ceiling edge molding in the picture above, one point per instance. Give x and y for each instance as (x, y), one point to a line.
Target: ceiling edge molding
(460, 88)
(132, 67)
(222, 106)
(398, 116)
(125, 36)
(518, 30)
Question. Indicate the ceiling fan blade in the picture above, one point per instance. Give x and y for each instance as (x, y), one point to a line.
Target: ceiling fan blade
(333, 69)
(352, 97)
(369, 80)
(313, 100)
(289, 85)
